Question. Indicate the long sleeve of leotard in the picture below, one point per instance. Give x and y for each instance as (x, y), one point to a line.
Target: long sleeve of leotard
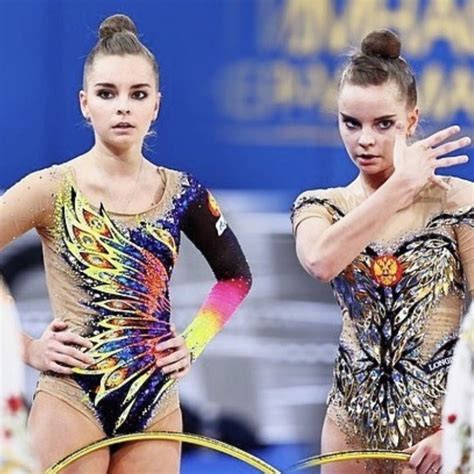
(205, 226)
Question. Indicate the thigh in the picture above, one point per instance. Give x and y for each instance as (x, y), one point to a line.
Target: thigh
(56, 429)
(333, 439)
(147, 457)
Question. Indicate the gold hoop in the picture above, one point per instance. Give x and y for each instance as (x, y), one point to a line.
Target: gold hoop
(349, 456)
(203, 441)
(225, 448)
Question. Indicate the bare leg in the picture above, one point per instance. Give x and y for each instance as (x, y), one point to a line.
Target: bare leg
(333, 439)
(56, 430)
(147, 457)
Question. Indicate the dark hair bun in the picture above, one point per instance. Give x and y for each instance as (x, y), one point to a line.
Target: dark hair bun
(384, 44)
(116, 24)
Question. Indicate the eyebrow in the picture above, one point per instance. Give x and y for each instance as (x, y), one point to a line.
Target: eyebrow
(383, 117)
(113, 86)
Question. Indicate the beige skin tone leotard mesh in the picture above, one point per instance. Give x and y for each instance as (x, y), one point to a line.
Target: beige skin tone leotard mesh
(432, 322)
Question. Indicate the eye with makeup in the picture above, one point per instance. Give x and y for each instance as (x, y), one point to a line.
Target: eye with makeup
(109, 94)
(105, 94)
(139, 95)
(350, 123)
(385, 124)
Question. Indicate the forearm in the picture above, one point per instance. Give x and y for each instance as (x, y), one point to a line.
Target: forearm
(325, 256)
(7, 304)
(221, 303)
(26, 341)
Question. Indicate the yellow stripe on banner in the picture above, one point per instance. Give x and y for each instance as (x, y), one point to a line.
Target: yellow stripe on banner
(213, 444)
(349, 456)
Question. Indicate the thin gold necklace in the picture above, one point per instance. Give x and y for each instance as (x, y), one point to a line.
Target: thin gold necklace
(133, 192)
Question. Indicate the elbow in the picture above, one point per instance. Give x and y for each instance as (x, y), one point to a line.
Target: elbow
(248, 282)
(244, 282)
(320, 268)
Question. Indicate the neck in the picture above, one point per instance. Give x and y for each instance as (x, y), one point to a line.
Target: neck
(117, 161)
(372, 182)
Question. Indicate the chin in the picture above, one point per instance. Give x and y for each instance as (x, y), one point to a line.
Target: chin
(376, 171)
(121, 143)
(370, 169)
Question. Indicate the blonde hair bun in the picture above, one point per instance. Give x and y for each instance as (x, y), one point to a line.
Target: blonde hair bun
(116, 24)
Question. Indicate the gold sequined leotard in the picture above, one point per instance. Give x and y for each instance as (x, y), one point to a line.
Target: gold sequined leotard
(108, 276)
(401, 299)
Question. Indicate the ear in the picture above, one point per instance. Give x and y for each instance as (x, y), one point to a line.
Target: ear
(156, 112)
(413, 119)
(83, 104)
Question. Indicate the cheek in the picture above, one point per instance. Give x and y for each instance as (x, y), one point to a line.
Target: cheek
(99, 109)
(388, 143)
(349, 139)
(147, 116)
(149, 110)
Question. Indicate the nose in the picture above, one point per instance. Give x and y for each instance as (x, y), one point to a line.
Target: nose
(366, 138)
(123, 111)
(123, 107)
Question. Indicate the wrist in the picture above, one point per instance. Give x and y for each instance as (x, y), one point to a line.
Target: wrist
(402, 190)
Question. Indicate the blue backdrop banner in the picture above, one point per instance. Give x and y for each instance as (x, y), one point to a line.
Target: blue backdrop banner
(249, 85)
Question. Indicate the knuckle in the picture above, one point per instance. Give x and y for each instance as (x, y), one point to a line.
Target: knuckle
(70, 351)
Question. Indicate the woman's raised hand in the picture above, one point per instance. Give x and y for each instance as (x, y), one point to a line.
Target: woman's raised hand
(54, 350)
(417, 163)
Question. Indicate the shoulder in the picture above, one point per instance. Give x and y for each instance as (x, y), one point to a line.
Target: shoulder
(327, 204)
(183, 183)
(40, 182)
(183, 177)
(460, 195)
(331, 197)
(31, 201)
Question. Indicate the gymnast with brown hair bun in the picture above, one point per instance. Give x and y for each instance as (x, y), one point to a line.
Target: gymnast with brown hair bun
(397, 245)
(110, 222)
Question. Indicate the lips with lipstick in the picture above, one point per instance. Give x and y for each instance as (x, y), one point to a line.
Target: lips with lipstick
(123, 126)
(367, 158)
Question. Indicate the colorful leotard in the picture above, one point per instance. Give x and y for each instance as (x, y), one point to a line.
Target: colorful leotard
(108, 276)
(401, 299)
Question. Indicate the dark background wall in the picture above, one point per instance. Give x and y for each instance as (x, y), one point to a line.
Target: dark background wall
(248, 84)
